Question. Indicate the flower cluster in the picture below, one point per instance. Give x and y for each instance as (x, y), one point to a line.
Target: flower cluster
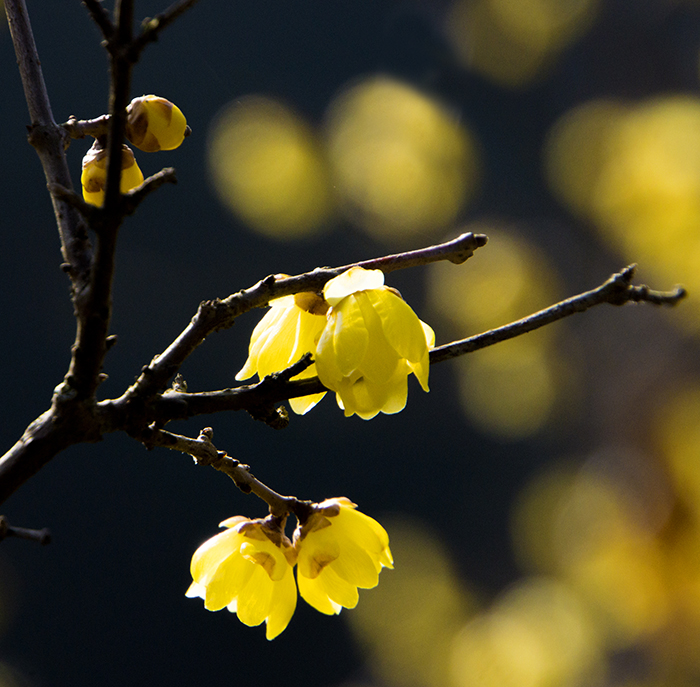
(153, 124)
(248, 567)
(364, 338)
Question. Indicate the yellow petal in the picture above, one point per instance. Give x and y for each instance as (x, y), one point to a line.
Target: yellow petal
(400, 324)
(255, 597)
(227, 582)
(337, 589)
(282, 605)
(314, 595)
(209, 555)
(350, 336)
(349, 282)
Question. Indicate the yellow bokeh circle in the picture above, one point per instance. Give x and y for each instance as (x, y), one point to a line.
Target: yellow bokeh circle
(403, 165)
(269, 169)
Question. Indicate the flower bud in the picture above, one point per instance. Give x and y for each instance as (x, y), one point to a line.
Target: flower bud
(154, 124)
(94, 176)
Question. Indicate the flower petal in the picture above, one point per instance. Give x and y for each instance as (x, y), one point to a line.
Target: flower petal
(353, 280)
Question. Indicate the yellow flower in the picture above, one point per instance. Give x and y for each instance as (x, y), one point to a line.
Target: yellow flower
(372, 342)
(248, 569)
(154, 124)
(289, 329)
(339, 549)
(94, 176)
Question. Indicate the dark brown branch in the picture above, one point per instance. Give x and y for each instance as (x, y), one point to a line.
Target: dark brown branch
(221, 314)
(49, 140)
(151, 27)
(134, 198)
(277, 388)
(205, 453)
(42, 536)
(101, 17)
(80, 128)
(617, 291)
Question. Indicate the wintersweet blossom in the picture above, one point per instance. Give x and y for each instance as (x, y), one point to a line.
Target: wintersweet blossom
(373, 340)
(247, 569)
(289, 329)
(339, 549)
(94, 175)
(154, 123)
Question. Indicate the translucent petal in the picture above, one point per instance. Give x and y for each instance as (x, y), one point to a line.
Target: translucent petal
(350, 336)
(254, 599)
(209, 555)
(337, 589)
(268, 556)
(227, 582)
(304, 404)
(276, 353)
(282, 605)
(381, 359)
(401, 325)
(317, 551)
(314, 595)
(356, 566)
(353, 280)
(196, 591)
(263, 330)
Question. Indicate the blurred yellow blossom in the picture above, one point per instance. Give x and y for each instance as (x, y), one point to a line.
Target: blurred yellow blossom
(154, 124)
(289, 329)
(94, 175)
(339, 549)
(247, 569)
(372, 342)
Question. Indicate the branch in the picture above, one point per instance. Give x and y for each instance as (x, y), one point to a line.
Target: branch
(101, 17)
(205, 453)
(151, 28)
(276, 388)
(49, 140)
(221, 314)
(617, 291)
(42, 536)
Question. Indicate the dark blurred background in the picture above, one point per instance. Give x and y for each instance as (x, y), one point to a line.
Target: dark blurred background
(543, 500)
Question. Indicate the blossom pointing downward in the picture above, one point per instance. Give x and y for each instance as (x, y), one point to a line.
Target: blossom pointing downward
(373, 340)
(339, 549)
(247, 569)
(289, 330)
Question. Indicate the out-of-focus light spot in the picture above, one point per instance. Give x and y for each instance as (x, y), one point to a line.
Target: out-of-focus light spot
(537, 635)
(402, 164)
(408, 623)
(678, 437)
(9, 677)
(512, 389)
(513, 43)
(577, 150)
(580, 525)
(268, 169)
(636, 172)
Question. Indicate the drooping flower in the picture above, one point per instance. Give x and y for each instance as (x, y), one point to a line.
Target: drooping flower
(247, 569)
(372, 342)
(289, 329)
(338, 550)
(154, 123)
(94, 176)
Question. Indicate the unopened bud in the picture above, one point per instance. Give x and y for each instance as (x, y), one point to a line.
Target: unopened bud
(94, 176)
(154, 124)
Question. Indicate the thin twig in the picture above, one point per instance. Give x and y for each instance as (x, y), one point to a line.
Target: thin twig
(276, 388)
(151, 27)
(617, 291)
(101, 17)
(205, 453)
(42, 536)
(221, 314)
(49, 140)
